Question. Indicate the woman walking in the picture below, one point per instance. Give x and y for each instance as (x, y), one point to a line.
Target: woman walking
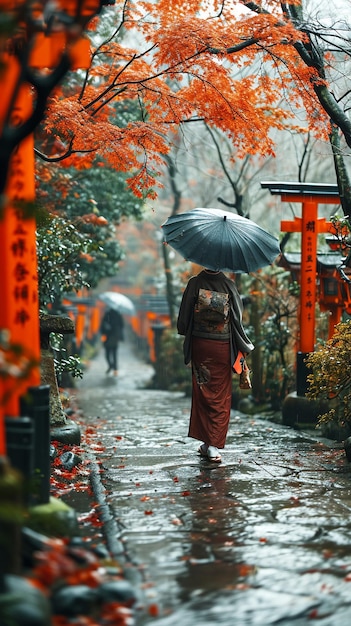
(210, 318)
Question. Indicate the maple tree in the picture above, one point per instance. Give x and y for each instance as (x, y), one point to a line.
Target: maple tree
(243, 67)
(39, 43)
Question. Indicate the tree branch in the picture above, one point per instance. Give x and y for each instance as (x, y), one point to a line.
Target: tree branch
(11, 136)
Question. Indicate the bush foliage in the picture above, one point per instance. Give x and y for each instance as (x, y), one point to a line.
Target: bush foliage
(330, 380)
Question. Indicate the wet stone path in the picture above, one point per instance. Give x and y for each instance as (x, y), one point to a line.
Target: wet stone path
(263, 538)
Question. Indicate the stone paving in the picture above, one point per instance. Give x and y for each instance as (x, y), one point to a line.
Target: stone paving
(263, 538)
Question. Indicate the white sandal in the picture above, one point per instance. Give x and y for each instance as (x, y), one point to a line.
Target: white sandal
(213, 454)
(203, 449)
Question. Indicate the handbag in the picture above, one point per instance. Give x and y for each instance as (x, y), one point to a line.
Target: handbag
(244, 380)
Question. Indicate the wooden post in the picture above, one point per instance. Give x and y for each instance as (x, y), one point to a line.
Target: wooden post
(2, 422)
(19, 312)
(80, 324)
(309, 225)
(308, 276)
(94, 322)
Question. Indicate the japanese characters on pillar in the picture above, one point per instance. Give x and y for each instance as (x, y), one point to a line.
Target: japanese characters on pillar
(309, 225)
(19, 289)
(308, 276)
(42, 49)
(9, 76)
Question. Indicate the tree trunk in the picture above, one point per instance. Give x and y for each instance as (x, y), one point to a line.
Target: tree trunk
(167, 266)
(256, 355)
(169, 284)
(342, 176)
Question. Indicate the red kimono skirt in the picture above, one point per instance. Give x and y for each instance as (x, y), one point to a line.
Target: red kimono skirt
(211, 391)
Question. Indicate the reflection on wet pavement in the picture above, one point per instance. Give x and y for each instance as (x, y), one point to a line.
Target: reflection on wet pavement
(264, 538)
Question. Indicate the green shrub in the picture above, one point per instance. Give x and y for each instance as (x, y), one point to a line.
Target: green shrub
(330, 380)
(63, 361)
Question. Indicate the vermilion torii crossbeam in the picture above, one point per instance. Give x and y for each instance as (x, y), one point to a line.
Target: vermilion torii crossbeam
(309, 225)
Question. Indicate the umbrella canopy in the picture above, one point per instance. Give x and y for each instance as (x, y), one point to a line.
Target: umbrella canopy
(220, 240)
(118, 302)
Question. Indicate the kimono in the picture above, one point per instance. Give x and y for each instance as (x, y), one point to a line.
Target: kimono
(214, 343)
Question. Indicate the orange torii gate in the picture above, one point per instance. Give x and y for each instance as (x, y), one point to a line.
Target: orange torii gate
(309, 225)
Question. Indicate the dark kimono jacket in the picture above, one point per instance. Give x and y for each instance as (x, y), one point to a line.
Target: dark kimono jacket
(239, 341)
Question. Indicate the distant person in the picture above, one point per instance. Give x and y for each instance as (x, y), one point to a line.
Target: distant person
(210, 317)
(112, 332)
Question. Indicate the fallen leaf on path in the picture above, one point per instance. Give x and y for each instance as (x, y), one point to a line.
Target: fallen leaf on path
(154, 610)
(246, 570)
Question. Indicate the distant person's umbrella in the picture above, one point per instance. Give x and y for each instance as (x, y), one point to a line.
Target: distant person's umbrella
(118, 302)
(220, 240)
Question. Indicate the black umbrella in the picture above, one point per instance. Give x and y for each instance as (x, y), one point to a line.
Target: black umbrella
(220, 240)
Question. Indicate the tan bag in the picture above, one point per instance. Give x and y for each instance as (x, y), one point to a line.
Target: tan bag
(244, 381)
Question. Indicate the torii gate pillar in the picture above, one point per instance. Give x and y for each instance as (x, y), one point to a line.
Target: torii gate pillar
(310, 195)
(19, 311)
